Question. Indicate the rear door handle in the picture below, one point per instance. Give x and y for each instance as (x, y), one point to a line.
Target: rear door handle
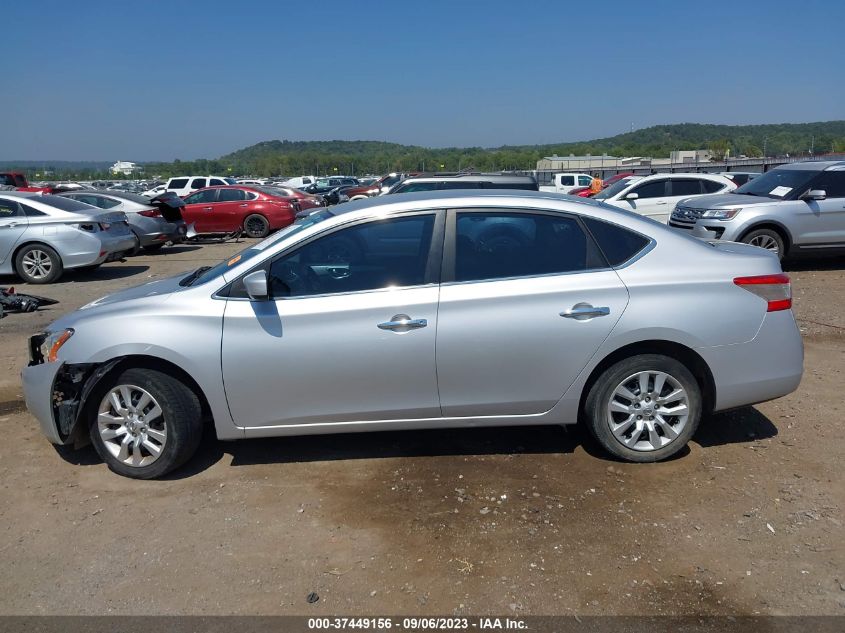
(584, 311)
(403, 323)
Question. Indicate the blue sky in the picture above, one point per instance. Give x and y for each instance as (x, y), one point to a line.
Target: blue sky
(162, 80)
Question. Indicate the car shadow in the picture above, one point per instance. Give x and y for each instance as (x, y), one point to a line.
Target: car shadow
(106, 273)
(805, 264)
(733, 427)
(170, 250)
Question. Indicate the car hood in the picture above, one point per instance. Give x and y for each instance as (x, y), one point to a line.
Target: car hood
(720, 200)
(158, 290)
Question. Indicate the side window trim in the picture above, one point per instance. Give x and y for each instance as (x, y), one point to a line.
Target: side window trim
(447, 274)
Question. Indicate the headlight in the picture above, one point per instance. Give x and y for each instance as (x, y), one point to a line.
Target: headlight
(46, 346)
(720, 214)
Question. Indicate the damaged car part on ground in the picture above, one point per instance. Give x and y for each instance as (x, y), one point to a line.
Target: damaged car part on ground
(500, 282)
(11, 301)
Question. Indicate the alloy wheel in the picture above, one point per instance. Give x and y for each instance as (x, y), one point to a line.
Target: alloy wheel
(647, 410)
(131, 425)
(37, 264)
(765, 241)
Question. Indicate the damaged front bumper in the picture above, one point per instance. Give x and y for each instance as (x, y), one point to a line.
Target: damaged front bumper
(56, 393)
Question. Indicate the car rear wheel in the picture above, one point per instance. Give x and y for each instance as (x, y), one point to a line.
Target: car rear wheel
(38, 264)
(767, 239)
(145, 423)
(256, 225)
(644, 408)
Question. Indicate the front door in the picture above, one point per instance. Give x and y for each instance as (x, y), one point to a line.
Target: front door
(199, 210)
(13, 224)
(528, 302)
(349, 332)
(652, 199)
(822, 222)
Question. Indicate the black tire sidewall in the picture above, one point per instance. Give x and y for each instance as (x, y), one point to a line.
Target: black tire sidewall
(266, 222)
(602, 390)
(182, 415)
(55, 272)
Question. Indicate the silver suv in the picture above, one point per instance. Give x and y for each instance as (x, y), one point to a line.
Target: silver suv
(797, 208)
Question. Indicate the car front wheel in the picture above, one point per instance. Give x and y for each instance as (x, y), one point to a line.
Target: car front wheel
(38, 264)
(644, 408)
(767, 239)
(145, 423)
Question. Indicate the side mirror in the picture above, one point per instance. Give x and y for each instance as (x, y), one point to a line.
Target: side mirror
(256, 286)
(632, 196)
(815, 194)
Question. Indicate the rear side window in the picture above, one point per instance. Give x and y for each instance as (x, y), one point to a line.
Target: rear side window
(500, 245)
(198, 183)
(216, 181)
(711, 186)
(457, 184)
(8, 209)
(618, 244)
(410, 187)
(685, 186)
(231, 195)
(178, 183)
(567, 181)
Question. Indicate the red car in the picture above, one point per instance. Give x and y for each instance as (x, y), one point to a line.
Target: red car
(256, 210)
(584, 192)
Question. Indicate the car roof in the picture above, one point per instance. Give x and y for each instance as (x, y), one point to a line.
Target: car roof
(815, 165)
(21, 194)
(473, 178)
(109, 193)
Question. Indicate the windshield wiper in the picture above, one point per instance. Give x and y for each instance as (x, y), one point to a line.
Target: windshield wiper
(187, 281)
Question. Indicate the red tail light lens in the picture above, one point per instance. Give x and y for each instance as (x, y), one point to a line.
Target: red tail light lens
(776, 290)
(150, 213)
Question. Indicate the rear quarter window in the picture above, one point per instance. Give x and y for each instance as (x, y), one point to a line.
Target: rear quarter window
(177, 183)
(618, 244)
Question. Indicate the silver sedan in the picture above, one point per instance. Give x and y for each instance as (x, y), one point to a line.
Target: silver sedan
(451, 309)
(41, 236)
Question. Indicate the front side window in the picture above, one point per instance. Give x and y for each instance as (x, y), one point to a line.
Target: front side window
(410, 187)
(685, 187)
(371, 256)
(458, 184)
(231, 195)
(653, 189)
(832, 183)
(198, 183)
(499, 245)
(584, 181)
(209, 195)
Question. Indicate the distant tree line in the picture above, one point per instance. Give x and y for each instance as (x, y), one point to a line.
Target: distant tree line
(271, 158)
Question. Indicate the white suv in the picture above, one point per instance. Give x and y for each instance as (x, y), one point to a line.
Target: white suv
(655, 196)
(184, 185)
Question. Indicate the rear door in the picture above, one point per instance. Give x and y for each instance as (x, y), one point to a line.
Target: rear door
(679, 188)
(231, 208)
(526, 300)
(199, 211)
(13, 225)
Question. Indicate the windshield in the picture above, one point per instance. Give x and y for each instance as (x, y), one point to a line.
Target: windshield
(202, 275)
(779, 183)
(615, 188)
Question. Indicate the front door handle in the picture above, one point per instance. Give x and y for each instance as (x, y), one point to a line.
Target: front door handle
(10, 225)
(661, 202)
(207, 208)
(584, 311)
(402, 323)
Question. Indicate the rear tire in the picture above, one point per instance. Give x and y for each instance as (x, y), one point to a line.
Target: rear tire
(767, 239)
(256, 225)
(38, 264)
(644, 408)
(144, 423)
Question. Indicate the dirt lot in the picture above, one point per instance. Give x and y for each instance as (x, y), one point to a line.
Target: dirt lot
(524, 521)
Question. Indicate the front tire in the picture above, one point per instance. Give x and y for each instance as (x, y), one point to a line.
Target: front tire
(767, 239)
(256, 225)
(145, 423)
(38, 264)
(644, 408)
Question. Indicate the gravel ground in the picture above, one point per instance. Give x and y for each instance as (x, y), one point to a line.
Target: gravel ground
(525, 521)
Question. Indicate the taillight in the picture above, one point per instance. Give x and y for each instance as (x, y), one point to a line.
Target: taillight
(150, 213)
(776, 290)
